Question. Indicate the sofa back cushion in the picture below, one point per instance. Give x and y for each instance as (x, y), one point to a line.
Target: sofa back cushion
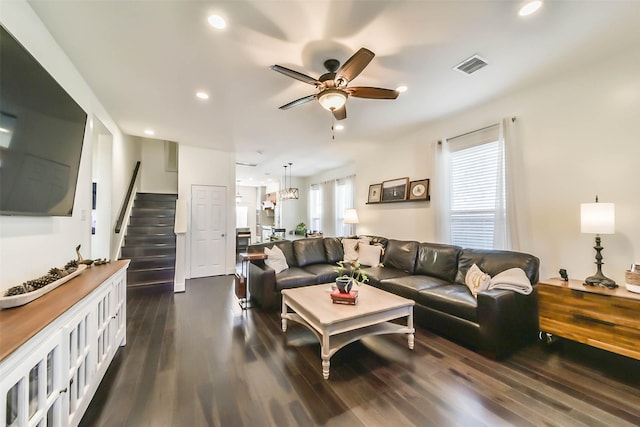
(309, 251)
(493, 262)
(285, 246)
(333, 249)
(401, 254)
(375, 240)
(437, 260)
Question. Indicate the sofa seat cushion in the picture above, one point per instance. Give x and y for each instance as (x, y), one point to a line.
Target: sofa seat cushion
(453, 299)
(294, 277)
(325, 273)
(378, 274)
(410, 286)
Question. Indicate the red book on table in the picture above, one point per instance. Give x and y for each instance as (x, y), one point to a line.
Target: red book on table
(339, 298)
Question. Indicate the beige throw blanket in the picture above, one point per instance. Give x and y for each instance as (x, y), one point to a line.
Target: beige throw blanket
(513, 279)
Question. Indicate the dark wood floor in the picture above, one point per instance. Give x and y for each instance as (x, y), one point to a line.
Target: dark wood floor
(196, 359)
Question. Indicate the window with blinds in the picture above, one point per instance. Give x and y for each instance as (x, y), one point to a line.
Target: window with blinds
(475, 168)
(315, 208)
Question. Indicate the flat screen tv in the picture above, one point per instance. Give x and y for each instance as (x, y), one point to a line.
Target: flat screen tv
(41, 133)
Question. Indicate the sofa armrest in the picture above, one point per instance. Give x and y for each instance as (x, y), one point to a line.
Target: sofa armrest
(262, 283)
(507, 320)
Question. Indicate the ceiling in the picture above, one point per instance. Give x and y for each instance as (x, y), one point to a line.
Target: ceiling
(145, 60)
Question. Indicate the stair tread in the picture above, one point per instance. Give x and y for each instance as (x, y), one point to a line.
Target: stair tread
(148, 269)
(151, 283)
(150, 246)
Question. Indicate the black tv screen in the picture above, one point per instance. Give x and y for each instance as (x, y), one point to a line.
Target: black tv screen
(41, 133)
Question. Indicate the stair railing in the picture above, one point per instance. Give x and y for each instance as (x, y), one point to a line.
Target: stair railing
(127, 199)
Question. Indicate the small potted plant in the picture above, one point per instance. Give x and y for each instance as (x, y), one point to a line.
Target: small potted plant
(348, 275)
(301, 229)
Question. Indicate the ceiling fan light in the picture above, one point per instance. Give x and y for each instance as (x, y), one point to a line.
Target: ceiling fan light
(332, 99)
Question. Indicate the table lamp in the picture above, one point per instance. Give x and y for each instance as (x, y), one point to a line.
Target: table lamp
(351, 217)
(598, 218)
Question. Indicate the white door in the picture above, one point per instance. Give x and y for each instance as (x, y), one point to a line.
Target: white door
(208, 241)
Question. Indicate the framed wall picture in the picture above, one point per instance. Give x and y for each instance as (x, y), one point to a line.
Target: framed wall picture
(419, 190)
(395, 189)
(375, 193)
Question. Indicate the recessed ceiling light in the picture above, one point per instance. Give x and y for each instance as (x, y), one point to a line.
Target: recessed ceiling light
(402, 88)
(202, 95)
(530, 8)
(338, 127)
(149, 132)
(217, 21)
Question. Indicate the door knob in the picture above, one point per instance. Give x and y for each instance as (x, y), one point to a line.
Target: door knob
(222, 235)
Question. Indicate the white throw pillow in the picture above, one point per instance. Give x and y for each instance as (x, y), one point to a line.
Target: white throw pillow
(476, 280)
(369, 255)
(350, 248)
(276, 259)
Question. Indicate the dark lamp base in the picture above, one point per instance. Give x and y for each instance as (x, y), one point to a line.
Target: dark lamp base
(600, 280)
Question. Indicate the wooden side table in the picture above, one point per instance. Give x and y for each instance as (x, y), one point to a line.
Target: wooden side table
(599, 317)
(246, 258)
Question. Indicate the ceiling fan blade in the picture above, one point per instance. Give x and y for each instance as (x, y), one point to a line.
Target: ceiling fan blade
(296, 75)
(298, 102)
(354, 65)
(340, 113)
(372, 92)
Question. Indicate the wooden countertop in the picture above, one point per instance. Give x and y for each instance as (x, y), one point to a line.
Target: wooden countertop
(577, 285)
(19, 324)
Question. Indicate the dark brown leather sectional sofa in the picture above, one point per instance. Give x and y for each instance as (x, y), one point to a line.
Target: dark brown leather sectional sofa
(496, 323)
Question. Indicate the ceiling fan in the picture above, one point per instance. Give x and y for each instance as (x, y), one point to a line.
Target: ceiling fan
(332, 86)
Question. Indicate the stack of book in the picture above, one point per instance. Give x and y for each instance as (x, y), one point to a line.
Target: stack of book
(339, 298)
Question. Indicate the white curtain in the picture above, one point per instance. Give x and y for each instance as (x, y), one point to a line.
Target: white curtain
(506, 225)
(441, 193)
(345, 199)
(328, 206)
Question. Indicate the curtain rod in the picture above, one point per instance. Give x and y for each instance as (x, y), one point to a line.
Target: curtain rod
(513, 119)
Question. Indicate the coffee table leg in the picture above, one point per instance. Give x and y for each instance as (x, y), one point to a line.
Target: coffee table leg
(284, 313)
(324, 350)
(410, 325)
(325, 367)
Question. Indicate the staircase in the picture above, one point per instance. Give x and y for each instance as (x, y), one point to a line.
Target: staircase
(150, 242)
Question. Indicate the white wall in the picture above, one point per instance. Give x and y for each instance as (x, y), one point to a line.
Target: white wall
(29, 246)
(249, 199)
(155, 178)
(201, 166)
(579, 136)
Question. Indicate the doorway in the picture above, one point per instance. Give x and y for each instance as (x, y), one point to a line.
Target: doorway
(101, 176)
(208, 230)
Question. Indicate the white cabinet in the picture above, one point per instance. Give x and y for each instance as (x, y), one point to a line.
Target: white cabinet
(50, 379)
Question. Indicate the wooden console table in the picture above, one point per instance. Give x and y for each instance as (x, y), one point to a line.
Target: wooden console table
(599, 317)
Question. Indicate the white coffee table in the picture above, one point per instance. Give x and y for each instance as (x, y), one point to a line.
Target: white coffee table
(337, 325)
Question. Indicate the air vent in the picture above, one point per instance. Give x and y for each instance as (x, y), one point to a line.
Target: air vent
(253, 165)
(471, 65)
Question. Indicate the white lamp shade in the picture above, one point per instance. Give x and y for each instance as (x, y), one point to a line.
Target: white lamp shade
(351, 217)
(332, 99)
(597, 218)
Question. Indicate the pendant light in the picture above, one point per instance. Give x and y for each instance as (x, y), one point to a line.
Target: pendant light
(288, 192)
